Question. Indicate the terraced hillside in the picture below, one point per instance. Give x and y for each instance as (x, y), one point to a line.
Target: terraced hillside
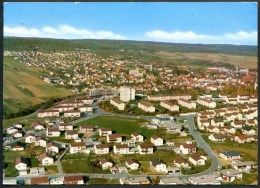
(22, 87)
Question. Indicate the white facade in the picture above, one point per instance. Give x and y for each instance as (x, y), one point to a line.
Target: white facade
(170, 106)
(186, 103)
(117, 103)
(127, 94)
(145, 106)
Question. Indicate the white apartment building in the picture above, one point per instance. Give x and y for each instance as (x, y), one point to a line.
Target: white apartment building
(127, 94)
(170, 106)
(168, 97)
(187, 103)
(146, 106)
(117, 103)
(206, 102)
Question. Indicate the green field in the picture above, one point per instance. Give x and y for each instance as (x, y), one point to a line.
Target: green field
(22, 87)
(76, 166)
(120, 125)
(102, 181)
(249, 151)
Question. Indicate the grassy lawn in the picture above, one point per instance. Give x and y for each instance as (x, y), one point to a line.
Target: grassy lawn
(8, 122)
(248, 149)
(76, 166)
(120, 125)
(35, 162)
(197, 169)
(102, 181)
(61, 139)
(10, 170)
(51, 169)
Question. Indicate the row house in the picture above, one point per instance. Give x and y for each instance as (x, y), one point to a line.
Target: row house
(117, 103)
(87, 100)
(251, 114)
(64, 108)
(251, 122)
(72, 104)
(220, 112)
(168, 97)
(186, 103)
(217, 122)
(248, 131)
(65, 126)
(169, 106)
(77, 147)
(229, 130)
(212, 129)
(208, 113)
(48, 113)
(146, 106)
(233, 116)
(101, 149)
(206, 102)
(73, 113)
(237, 124)
(86, 108)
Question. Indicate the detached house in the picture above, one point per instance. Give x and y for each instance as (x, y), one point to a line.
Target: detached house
(52, 147)
(213, 129)
(71, 135)
(230, 155)
(117, 138)
(105, 164)
(18, 125)
(237, 124)
(52, 132)
(217, 137)
(243, 166)
(121, 149)
(39, 141)
(46, 159)
(105, 131)
(188, 148)
(197, 159)
(20, 164)
(248, 131)
(159, 165)
(101, 149)
(86, 129)
(145, 149)
(229, 130)
(181, 163)
(38, 125)
(132, 164)
(157, 141)
(230, 175)
(77, 147)
(65, 126)
(137, 137)
(30, 138)
(73, 180)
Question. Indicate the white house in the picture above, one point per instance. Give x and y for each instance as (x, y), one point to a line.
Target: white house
(48, 113)
(65, 126)
(145, 149)
(132, 164)
(38, 125)
(18, 135)
(77, 147)
(11, 130)
(52, 132)
(121, 149)
(157, 141)
(229, 130)
(159, 165)
(206, 102)
(137, 137)
(73, 113)
(188, 148)
(217, 137)
(101, 149)
(57, 181)
(181, 163)
(230, 175)
(230, 155)
(117, 138)
(105, 164)
(46, 159)
(18, 125)
(105, 131)
(52, 147)
(71, 135)
(197, 159)
(243, 166)
(20, 163)
(237, 124)
(39, 141)
(30, 138)
(86, 109)
(171, 181)
(86, 129)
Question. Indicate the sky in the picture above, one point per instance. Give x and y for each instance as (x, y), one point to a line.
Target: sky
(179, 22)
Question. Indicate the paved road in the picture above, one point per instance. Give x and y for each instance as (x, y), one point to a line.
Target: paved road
(58, 163)
(202, 144)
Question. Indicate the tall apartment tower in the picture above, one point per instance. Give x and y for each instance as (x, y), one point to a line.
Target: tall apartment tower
(127, 94)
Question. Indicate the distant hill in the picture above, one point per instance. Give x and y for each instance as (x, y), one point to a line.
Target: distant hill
(22, 87)
(106, 47)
